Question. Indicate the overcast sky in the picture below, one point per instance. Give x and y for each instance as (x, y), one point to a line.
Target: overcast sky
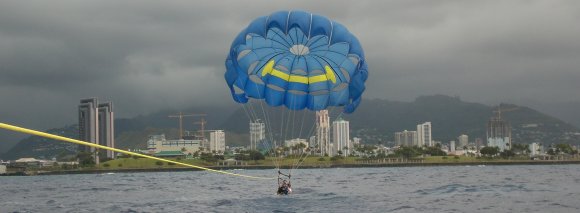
(150, 55)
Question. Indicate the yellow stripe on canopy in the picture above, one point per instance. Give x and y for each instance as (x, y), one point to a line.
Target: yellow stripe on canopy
(328, 76)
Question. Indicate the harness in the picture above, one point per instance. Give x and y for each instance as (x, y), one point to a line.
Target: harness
(283, 189)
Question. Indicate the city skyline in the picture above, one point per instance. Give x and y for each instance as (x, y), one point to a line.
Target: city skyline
(406, 58)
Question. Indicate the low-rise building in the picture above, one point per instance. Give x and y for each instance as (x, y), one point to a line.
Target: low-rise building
(535, 149)
(356, 141)
(217, 141)
(32, 162)
(4, 162)
(2, 169)
(295, 141)
(158, 143)
(169, 154)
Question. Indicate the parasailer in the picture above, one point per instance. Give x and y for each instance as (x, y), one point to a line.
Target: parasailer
(284, 187)
(296, 60)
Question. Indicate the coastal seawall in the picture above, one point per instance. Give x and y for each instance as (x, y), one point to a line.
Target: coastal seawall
(359, 165)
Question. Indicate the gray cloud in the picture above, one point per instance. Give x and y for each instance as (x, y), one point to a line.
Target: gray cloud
(149, 55)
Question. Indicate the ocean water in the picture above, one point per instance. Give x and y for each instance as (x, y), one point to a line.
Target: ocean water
(545, 188)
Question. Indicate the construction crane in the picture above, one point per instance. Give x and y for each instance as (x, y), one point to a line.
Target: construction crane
(180, 116)
(499, 110)
(202, 123)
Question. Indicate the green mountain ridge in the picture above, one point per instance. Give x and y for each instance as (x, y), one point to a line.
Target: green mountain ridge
(375, 121)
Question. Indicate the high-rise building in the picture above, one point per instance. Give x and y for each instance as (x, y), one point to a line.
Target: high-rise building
(424, 135)
(406, 138)
(535, 149)
(463, 140)
(88, 124)
(217, 141)
(323, 132)
(106, 128)
(341, 137)
(478, 142)
(499, 133)
(96, 125)
(257, 133)
(451, 146)
(312, 141)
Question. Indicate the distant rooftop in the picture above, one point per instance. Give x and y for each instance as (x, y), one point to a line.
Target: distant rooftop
(168, 153)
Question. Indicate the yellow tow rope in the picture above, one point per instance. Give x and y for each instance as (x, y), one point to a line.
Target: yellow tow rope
(70, 140)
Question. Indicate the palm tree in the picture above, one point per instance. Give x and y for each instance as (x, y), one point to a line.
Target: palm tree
(300, 147)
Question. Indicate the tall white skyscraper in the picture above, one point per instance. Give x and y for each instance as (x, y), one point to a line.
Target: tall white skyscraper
(217, 141)
(341, 137)
(535, 149)
(463, 140)
(323, 132)
(406, 138)
(424, 134)
(257, 133)
(452, 146)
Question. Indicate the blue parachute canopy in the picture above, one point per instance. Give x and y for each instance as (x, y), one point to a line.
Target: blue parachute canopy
(297, 59)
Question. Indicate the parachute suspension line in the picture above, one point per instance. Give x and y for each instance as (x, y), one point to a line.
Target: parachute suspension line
(300, 161)
(289, 119)
(270, 146)
(263, 142)
(70, 140)
(268, 126)
(300, 136)
(253, 111)
(252, 115)
(248, 113)
(311, 132)
(285, 119)
(284, 135)
(304, 112)
(281, 136)
(295, 162)
(306, 154)
(293, 120)
(265, 120)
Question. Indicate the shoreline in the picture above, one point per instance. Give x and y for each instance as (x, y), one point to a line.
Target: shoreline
(321, 166)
